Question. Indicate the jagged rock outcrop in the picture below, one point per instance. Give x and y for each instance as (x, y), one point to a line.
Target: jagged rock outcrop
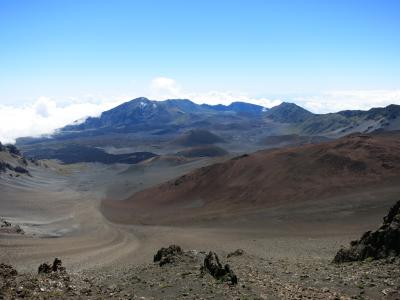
(213, 266)
(168, 255)
(46, 268)
(378, 244)
(211, 263)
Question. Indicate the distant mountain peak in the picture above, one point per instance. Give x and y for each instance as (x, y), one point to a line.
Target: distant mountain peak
(140, 99)
(288, 104)
(288, 112)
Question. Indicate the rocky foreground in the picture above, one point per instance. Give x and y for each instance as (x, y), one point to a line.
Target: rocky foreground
(188, 275)
(368, 269)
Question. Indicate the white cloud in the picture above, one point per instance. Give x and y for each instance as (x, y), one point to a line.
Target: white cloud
(44, 106)
(44, 116)
(162, 88)
(322, 102)
(333, 101)
(226, 98)
(165, 87)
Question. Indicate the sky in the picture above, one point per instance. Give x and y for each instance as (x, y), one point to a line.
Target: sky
(64, 60)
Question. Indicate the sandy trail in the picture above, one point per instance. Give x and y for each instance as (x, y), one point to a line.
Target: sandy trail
(60, 219)
(58, 208)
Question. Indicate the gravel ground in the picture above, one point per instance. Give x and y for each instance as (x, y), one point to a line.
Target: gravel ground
(258, 278)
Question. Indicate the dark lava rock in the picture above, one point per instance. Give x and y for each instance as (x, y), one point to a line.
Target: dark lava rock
(4, 223)
(5, 166)
(378, 244)
(214, 267)
(168, 255)
(46, 268)
(21, 170)
(7, 271)
(237, 252)
(7, 227)
(13, 149)
(57, 265)
(18, 229)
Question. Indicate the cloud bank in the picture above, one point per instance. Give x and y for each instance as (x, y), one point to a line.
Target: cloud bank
(322, 102)
(44, 115)
(333, 101)
(168, 88)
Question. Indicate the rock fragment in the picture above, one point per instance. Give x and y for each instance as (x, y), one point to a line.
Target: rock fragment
(237, 252)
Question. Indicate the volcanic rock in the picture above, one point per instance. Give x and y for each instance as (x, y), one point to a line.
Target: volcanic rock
(378, 244)
(214, 267)
(168, 255)
(46, 268)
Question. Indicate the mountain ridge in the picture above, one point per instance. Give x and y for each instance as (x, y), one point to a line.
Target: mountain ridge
(142, 110)
(149, 124)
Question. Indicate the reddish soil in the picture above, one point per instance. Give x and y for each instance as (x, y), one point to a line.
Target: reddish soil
(266, 179)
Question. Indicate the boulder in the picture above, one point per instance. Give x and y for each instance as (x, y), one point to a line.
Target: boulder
(21, 170)
(213, 266)
(168, 255)
(46, 268)
(57, 265)
(378, 244)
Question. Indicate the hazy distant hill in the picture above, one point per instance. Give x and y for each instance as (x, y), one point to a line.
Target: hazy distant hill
(348, 121)
(198, 137)
(144, 114)
(70, 154)
(242, 108)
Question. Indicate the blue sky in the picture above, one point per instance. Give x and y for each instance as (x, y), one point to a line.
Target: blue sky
(91, 51)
